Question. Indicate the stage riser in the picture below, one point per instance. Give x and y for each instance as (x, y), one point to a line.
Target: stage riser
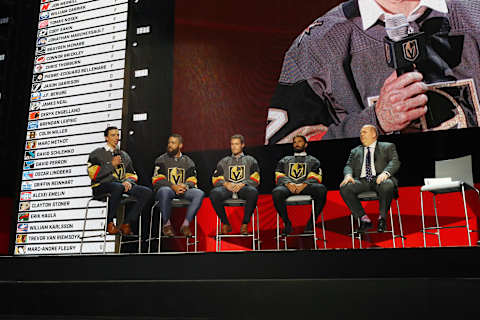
(331, 264)
(246, 299)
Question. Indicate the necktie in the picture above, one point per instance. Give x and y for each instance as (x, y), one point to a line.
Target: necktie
(368, 166)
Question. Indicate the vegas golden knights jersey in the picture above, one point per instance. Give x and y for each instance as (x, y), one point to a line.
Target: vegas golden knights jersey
(170, 170)
(100, 169)
(242, 169)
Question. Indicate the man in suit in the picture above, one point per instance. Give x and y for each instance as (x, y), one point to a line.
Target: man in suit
(370, 167)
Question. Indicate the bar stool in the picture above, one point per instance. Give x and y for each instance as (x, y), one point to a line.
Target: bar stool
(176, 203)
(126, 199)
(460, 170)
(373, 196)
(255, 233)
(297, 200)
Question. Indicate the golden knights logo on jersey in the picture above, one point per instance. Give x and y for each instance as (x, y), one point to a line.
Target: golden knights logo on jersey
(176, 175)
(297, 170)
(237, 173)
(410, 50)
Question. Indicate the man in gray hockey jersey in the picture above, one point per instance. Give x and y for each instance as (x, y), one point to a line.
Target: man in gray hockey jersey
(299, 174)
(175, 176)
(111, 171)
(237, 174)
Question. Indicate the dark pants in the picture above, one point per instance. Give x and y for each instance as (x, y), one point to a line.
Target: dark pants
(318, 192)
(385, 192)
(165, 195)
(116, 189)
(219, 194)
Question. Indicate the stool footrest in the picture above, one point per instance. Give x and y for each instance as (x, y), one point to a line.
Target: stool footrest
(234, 236)
(451, 227)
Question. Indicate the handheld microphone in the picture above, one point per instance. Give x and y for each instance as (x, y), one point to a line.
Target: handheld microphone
(117, 152)
(403, 50)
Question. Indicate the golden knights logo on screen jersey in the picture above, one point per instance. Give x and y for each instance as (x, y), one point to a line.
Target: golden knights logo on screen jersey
(410, 50)
(236, 173)
(176, 175)
(297, 170)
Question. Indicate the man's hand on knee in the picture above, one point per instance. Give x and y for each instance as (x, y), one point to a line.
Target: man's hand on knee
(127, 185)
(382, 177)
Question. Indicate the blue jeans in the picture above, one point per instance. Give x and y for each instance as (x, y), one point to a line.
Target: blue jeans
(165, 195)
(116, 189)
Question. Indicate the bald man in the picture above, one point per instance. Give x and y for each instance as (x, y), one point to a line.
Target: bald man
(370, 167)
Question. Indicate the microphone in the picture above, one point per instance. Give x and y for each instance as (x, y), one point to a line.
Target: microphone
(117, 152)
(403, 50)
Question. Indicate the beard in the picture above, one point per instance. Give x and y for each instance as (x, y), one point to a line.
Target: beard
(299, 149)
(172, 152)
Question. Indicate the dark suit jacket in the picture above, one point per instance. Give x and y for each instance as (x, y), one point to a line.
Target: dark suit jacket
(386, 159)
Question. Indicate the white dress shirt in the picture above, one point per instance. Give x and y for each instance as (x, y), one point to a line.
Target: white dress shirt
(371, 12)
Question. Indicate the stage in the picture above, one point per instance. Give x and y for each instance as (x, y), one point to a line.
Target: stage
(336, 284)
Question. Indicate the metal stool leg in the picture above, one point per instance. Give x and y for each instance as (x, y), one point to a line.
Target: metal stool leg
(323, 231)
(160, 232)
(151, 224)
(313, 224)
(258, 231)
(400, 223)
(353, 232)
(436, 220)
(253, 231)
(423, 220)
(216, 237)
(278, 232)
(84, 225)
(466, 216)
(196, 239)
(140, 233)
(220, 238)
(105, 227)
(392, 227)
(359, 235)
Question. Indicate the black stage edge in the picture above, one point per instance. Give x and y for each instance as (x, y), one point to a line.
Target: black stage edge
(334, 284)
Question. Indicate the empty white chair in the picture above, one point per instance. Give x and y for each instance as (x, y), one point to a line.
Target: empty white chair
(453, 175)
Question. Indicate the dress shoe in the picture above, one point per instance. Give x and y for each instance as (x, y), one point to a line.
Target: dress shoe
(226, 229)
(288, 228)
(112, 229)
(382, 225)
(168, 231)
(185, 230)
(244, 229)
(364, 226)
(125, 229)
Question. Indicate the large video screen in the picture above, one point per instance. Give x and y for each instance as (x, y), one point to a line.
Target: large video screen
(271, 76)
